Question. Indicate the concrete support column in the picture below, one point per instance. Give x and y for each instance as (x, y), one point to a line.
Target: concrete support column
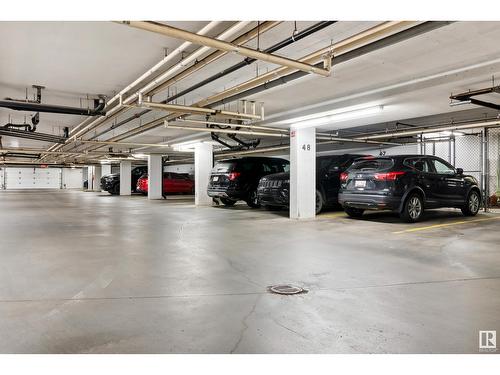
(125, 177)
(90, 177)
(203, 163)
(155, 179)
(302, 173)
(105, 169)
(94, 178)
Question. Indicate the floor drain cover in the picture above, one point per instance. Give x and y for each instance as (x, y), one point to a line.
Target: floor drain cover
(286, 289)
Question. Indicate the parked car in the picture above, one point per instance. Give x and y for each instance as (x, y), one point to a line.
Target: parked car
(274, 189)
(111, 182)
(407, 184)
(237, 179)
(172, 183)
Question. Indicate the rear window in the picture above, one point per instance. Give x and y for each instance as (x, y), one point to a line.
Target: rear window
(223, 167)
(371, 165)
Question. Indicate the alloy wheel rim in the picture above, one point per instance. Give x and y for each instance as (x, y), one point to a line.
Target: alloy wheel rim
(473, 202)
(414, 207)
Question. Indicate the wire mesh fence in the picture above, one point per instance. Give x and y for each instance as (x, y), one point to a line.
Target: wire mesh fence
(493, 168)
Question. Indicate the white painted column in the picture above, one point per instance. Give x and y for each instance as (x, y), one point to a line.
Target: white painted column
(155, 179)
(97, 178)
(302, 173)
(203, 163)
(105, 169)
(125, 177)
(90, 177)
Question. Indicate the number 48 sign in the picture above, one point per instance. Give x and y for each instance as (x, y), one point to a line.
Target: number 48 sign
(306, 147)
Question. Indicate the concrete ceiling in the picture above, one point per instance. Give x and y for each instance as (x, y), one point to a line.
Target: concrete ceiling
(411, 79)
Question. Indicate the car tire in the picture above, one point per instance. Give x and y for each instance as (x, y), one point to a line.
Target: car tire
(354, 212)
(319, 202)
(472, 204)
(115, 190)
(227, 202)
(253, 199)
(413, 209)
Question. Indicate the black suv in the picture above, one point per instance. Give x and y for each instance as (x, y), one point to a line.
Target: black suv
(274, 189)
(111, 182)
(407, 184)
(237, 179)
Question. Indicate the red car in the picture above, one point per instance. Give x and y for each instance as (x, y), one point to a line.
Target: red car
(172, 183)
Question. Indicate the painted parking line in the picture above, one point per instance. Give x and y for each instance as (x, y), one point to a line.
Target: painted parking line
(332, 215)
(446, 225)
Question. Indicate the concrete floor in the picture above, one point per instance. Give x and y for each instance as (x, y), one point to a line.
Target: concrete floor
(85, 272)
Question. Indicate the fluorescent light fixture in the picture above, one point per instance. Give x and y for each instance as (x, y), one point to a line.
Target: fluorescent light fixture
(335, 116)
(140, 156)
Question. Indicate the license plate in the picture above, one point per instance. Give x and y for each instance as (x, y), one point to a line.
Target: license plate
(360, 183)
(215, 178)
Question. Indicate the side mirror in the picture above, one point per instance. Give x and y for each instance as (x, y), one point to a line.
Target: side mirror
(460, 171)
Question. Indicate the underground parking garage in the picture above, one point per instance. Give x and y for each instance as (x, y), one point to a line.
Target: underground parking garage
(241, 187)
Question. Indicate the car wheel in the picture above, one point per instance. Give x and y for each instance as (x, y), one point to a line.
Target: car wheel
(413, 208)
(115, 190)
(253, 200)
(354, 212)
(227, 202)
(319, 202)
(472, 204)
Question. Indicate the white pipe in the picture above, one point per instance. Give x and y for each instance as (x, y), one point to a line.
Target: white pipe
(215, 130)
(207, 28)
(172, 70)
(193, 110)
(250, 126)
(495, 123)
(225, 46)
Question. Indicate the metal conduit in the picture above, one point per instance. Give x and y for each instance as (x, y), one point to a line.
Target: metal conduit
(370, 47)
(247, 61)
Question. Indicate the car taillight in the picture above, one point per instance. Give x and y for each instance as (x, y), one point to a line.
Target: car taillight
(234, 175)
(388, 176)
(344, 176)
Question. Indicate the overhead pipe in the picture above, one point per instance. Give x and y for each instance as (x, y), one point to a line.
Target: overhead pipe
(10, 132)
(247, 61)
(374, 37)
(196, 110)
(336, 49)
(228, 131)
(39, 107)
(403, 133)
(343, 46)
(122, 143)
(341, 58)
(265, 26)
(249, 126)
(225, 46)
(192, 57)
(175, 53)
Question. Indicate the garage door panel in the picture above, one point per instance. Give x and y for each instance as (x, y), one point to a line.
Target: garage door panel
(33, 178)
